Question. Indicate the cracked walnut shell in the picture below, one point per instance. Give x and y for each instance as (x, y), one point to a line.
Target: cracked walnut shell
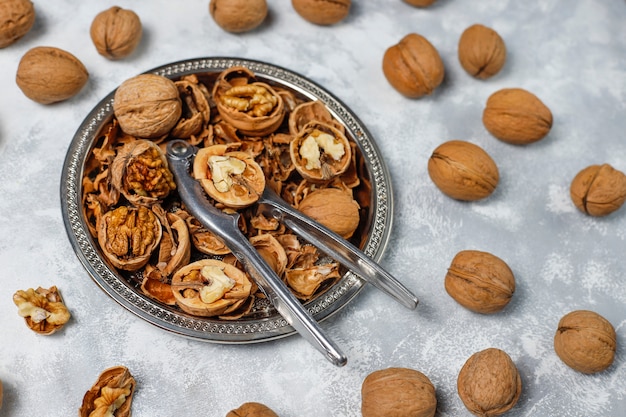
(116, 32)
(252, 409)
(481, 51)
(238, 16)
(585, 341)
(43, 309)
(49, 75)
(480, 281)
(147, 106)
(17, 17)
(489, 383)
(398, 392)
(598, 190)
(517, 116)
(111, 395)
(413, 66)
(463, 171)
(322, 12)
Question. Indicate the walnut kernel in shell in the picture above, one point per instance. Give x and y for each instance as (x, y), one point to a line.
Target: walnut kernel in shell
(322, 12)
(16, 20)
(147, 106)
(598, 190)
(489, 383)
(252, 409)
(517, 116)
(480, 281)
(116, 32)
(111, 395)
(585, 341)
(48, 75)
(398, 392)
(463, 171)
(238, 16)
(481, 51)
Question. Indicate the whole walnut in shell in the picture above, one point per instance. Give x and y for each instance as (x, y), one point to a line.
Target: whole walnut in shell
(334, 208)
(482, 52)
(480, 281)
(147, 106)
(463, 171)
(116, 32)
(413, 66)
(16, 19)
(252, 409)
(322, 12)
(598, 190)
(238, 16)
(48, 75)
(420, 3)
(398, 392)
(517, 116)
(489, 383)
(585, 341)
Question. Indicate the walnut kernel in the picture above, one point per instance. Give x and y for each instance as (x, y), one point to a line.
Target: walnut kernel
(252, 409)
(517, 116)
(48, 75)
(322, 12)
(489, 383)
(43, 309)
(238, 16)
(398, 392)
(111, 395)
(598, 190)
(585, 341)
(413, 66)
(16, 19)
(482, 52)
(116, 32)
(463, 171)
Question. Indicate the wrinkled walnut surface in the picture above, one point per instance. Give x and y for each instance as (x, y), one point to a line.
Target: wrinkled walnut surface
(322, 12)
(116, 32)
(238, 16)
(598, 190)
(16, 19)
(481, 51)
(43, 309)
(252, 409)
(111, 395)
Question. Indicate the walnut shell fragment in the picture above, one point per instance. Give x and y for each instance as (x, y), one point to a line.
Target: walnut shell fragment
(116, 32)
(413, 66)
(585, 341)
(489, 383)
(463, 170)
(43, 309)
(252, 409)
(398, 392)
(17, 17)
(238, 16)
(111, 395)
(147, 106)
(481, 51)
(517, 116)
(598, 190)
(48, 75)
(480, 281)
(322, 12)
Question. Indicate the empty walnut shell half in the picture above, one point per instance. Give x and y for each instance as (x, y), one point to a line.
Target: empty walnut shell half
(232, 178)
(585, 341)
(111, 395)
(489, 383)
(480, 281)
(308, 281)
(334, 208)
(147, 106)
(210, 287)
(598, 190)
(17, 17)
(128, 236)
(310, 111)
(116, 32)
(43, 309)
(252, 409)
(463, 171)
(252, 107)
(517, 116)
(272, 251)
(320, 152)
(140, 172)
(398, 392)
(481, 51)
(413, 66)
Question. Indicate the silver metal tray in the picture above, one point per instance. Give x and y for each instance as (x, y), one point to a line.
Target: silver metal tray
(245, 330)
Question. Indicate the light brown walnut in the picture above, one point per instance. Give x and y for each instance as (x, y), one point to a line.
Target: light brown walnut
(334, 208)
(598, 190)
(238, 16)
(398, 392)
(420, 3)
(585, 341)
(489, 383)
(17, 17)
(43, 309)
(116, 32)
(252, 409)
(322, 12)
(49, 75)
(481, 51)
(111, 395)
(463, 170)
